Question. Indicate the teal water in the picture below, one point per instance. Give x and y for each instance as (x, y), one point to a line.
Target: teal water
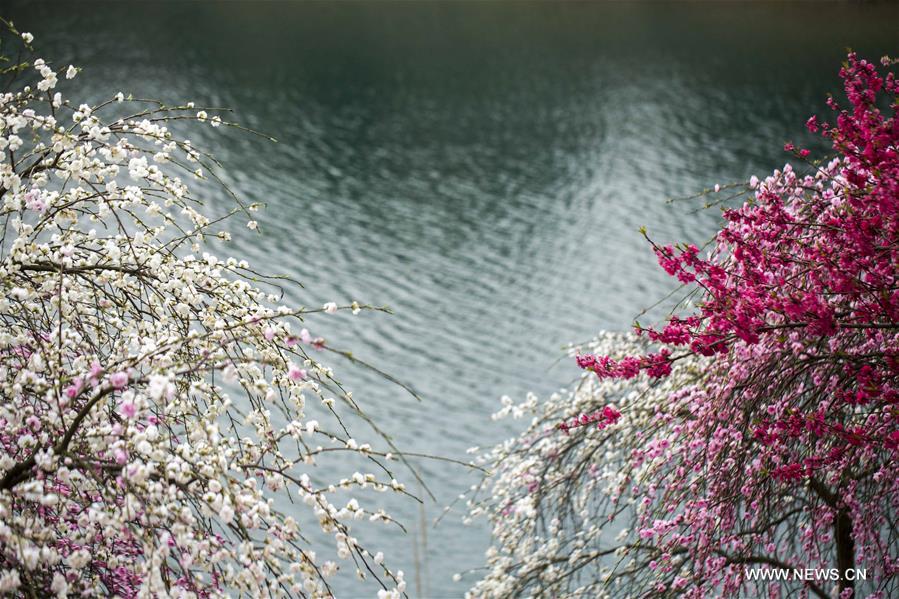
(481, 167)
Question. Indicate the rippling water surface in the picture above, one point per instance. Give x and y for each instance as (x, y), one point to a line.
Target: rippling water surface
(483, 168)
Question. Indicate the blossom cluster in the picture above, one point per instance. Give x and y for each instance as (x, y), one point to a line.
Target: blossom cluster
(158, 403)
(784, 456)
(602, 418)
(559, 504)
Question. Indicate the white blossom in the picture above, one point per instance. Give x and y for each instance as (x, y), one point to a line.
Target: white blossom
(153, 425)
(552, 498)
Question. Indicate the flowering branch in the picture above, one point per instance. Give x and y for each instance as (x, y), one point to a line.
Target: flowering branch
(163, 426)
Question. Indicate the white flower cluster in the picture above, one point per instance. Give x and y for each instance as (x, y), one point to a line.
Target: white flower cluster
(153, 406)
(558, 502)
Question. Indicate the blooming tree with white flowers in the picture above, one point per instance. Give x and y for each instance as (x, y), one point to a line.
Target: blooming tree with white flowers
(561, 496)
(157, 401)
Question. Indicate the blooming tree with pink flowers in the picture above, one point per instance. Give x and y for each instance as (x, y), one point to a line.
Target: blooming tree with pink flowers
(761, 426)
(157, 435)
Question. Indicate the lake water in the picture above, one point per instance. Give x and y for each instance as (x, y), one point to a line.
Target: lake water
(481, 167)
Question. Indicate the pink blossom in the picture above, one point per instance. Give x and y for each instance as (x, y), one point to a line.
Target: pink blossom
(33, 200)
(128, 409)
(95, 371)
(119, 380)
(296, 374)
(74, 389)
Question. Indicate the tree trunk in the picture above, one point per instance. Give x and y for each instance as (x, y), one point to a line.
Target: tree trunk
(845, 549)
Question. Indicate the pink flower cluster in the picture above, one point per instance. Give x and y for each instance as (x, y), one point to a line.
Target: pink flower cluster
(656, 365)
(603, 418)
(798, 308)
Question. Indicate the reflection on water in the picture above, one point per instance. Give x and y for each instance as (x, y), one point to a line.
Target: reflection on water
(483, 168)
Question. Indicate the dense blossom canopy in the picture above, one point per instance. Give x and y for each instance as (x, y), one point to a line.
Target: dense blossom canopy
(156, 401)
(785, 455)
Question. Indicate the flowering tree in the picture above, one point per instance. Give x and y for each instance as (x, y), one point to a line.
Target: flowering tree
(775, 446)
(562, 489)
(154, 399)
